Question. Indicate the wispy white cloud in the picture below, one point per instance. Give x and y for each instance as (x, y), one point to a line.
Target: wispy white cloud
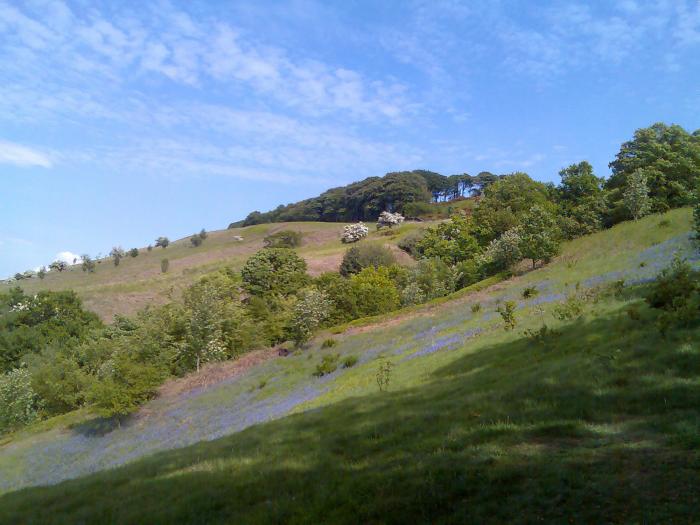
(23, 156)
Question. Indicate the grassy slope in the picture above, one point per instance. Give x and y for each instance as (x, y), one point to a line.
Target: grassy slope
(599, 425)
(137, 282)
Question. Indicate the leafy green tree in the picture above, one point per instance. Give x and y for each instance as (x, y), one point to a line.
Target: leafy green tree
(274, 271)
(134, 252)
(670, 158)
(504, 252)
(162, 242)
(364, 256)
(18, 401)
(636, 194)
(539, 235)
(451, 241)
(374, 291)
(58, 380)
(314, 308)
(578, 183)
(505, 202)
(339, 291)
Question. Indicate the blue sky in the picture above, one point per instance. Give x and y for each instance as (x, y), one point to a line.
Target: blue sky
(121, 122)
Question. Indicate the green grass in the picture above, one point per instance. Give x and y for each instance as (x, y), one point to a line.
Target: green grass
(597, 423)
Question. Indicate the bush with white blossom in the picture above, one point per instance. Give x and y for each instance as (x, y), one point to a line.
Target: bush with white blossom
(354, 232)
(386, 218)
(18, 401)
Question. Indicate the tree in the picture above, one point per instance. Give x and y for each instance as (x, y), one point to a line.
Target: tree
(578, 183)
(374, 291)
(196, 240)
(18, 401)
(504, 252)
(134, 252)
(117, 254)
(314, 307)
(636, 194)
(359, 257)
(162, 242)
(539, 235)
(59, 266)
(451, 241)
(203, 234)
(670, 157)
(41, 273)
(274, 271)
(88, 265)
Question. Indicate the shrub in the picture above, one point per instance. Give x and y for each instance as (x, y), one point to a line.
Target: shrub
(388, 219)
(364, 256)
(350, 361)
(58, 380)
(476, 307)
(328, 365)
(117, 254)
(59, 266)
(41, 273)
(451, 241)
(203, 234)
(374, 291)
(354, 232)
(507, 311)
(409, 242)
(149, 248)
(18, 402)
(134, 252)
(162, 242)
(529, 292)
(164, 265)
(673, 286)
(329, 343)
(384, 375)
(283, 239)
(570, 308)
(196, 240)
(502, 253)
(339, 291)
(88, 265)
(435, 277)
(312, 309)
(274, 271)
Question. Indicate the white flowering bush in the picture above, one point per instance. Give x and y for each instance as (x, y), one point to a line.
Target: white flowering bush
(388, 219)
(503, 252)
(310, 312)
(354, 232)
(18, 401)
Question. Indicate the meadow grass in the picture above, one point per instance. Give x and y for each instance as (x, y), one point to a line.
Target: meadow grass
(597, 422)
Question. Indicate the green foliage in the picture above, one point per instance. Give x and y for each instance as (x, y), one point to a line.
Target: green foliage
(58, 380)
(350, 361)
(383, 376)
(18, 402)
(359, 201)
(507, 312)
(429, 279)
(58, 266)
(28, 324)
(451, 241)
(274, 271)
(569, 309)
(196, 240)
(329, 343)
(503, 253)
(203, 234)
(504, 204)
(696, 221)
(310, 312)
(374, 292)
(673, 286)
(162, 242)
(670, 159)
(41, 273)
(134, 252)
(636, 194)
(409, 243)
(476, 307)
(339, 292)
(88, 265)
(529, 292)
(328, 365)
(363, 256)
(164, 265)
(283, 239)
(539, 235)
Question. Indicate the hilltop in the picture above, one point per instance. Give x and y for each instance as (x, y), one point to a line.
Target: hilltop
(595, 421)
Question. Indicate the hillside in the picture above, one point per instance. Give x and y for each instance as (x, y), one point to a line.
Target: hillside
(594, 423)
(138, 282)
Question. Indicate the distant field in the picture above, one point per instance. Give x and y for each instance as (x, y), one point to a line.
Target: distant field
(138, 282)
(596, 423)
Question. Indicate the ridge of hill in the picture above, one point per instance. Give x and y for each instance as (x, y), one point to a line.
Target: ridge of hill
(595, 421)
